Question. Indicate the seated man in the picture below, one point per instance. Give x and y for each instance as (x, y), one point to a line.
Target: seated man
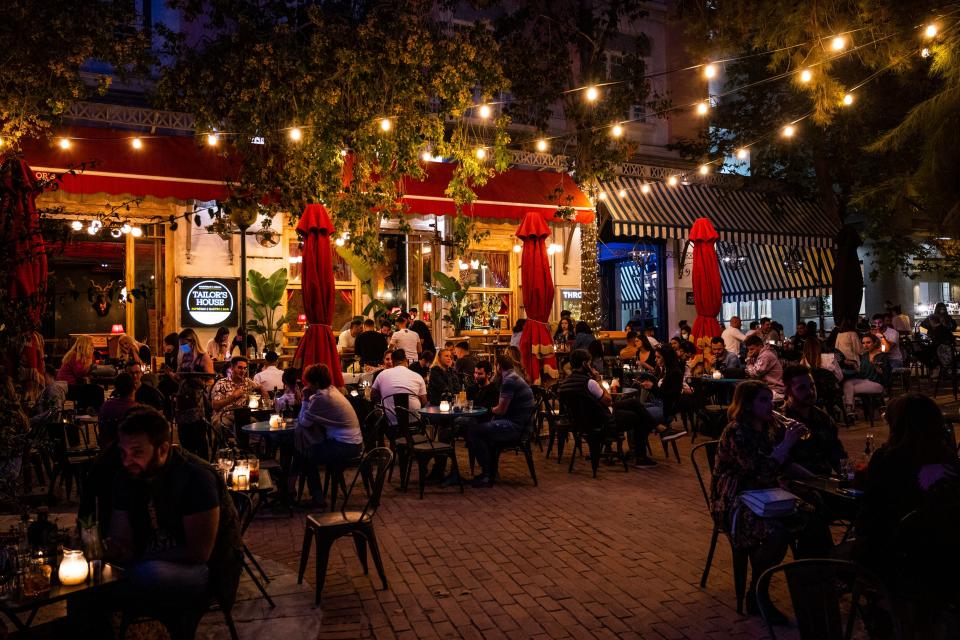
(115, 409)
(485, 390)
(144, 393)
(347, 339)
(398, 379)
(510, 417)
(422, 365)
(370, 345)
(465, 363)
(763, 363)
(629, 352)
(229, 393)
(270, 378)
(822, 452)
(173, 525)
(719, 359)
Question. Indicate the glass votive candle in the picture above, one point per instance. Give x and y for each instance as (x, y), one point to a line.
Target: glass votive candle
(444, 406)
(73, 568)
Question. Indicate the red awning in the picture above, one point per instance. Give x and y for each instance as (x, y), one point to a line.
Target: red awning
(165, 167)
(509, 194)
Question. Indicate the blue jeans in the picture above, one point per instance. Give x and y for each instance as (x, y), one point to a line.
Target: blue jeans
(483, 436)
(655, 409)
(170, 581)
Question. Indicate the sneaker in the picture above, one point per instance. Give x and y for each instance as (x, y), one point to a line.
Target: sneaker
(644, 463)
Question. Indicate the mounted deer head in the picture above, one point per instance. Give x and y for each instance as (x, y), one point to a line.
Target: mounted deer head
(100, 297)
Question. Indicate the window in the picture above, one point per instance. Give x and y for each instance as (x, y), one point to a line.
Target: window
(729, 310)
(617, 70)
(764, 309)
(492, 271)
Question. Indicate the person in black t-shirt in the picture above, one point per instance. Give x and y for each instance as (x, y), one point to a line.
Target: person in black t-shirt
(465, 363)
(173, 525)
(370, 345)
(423, 330)
(144, 393)
(422, 365)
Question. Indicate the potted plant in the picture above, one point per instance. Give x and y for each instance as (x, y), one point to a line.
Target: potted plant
(455, 294)
(266, 296)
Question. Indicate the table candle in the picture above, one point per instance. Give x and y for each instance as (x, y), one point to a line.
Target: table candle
(73, 568)
(274, 422)
(254, 401)
(240, 481)
(717, 375)
(444, 406)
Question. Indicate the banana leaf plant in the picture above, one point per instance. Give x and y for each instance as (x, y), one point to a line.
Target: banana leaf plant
(266, 298)
(364, 272)
(452, 291)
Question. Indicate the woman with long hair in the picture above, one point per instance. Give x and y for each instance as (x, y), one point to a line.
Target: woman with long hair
(814, 358)
(754, 453)
(514, 353)
(218, 347)
(77, 362)
(128, 350)
(517, 332)
(583, 336)
(443, 378)
(192, 403)
(564, 332)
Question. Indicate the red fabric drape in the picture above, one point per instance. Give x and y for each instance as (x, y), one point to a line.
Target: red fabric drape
(22, 238)
(318, 343)
(706, 279)
(536, 343)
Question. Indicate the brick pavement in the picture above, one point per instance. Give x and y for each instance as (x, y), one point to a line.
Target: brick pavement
(616, 557)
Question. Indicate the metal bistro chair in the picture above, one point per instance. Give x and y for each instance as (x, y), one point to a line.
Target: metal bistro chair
(597, 435)
(326, 528)
(740, 558)
(828, 598)
(423, 451)
(522, 445)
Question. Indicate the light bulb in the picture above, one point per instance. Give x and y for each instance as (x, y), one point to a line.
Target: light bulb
(838, 43)
(137, 143)
(622, 193)
(672, 181)
(64, 143)
(704, 169)
(481, 153)
(385, 124)
(474, 264)
(426, 250)
(463, 266)
(426, 156)
(616, 131)
(702, 108)
(551, 250)
(76, 225)
(788, 131)
(93, 227)
(125, 228)
(484, 111)
(925, 53)
(592, 94)
(339, 242)
(930, 31)
(541, 145)
(136, 232)
(644, 188)
(848, 99)
(116, 233)
(602, 195)
(343, 152)
(296, 134)
(212, 139)
(517, 248)
(741, 154)
(710, 71)
(806, 75)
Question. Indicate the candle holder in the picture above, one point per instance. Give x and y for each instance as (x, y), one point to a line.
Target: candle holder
(444, 406)
(73, 568)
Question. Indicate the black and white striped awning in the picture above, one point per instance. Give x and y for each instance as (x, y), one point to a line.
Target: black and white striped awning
(764, 275)
(631, 284)
(738, 215)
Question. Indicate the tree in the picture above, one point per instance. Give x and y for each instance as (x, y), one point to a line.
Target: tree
(895, 186)
(552, 48)
(369, 86)
(48, 48)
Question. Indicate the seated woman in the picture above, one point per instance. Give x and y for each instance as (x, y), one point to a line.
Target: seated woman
(77, 362)
(443, 378)
(583, 336)
(564, 332)
(872, 375)
(291, 397)
(328, 431)
(129, 350)
(664, 395)
(753, 454)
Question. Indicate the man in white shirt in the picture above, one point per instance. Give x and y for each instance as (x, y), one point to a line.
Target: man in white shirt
(270, 377)
(406, 339)
(399, 379)
(732, 336)
(348, 337)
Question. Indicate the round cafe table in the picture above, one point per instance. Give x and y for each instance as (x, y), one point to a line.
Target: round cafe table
(284, 440)
(433, 412)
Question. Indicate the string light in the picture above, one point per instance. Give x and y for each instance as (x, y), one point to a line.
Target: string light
(616, 131)
(704, 169)
(296, 134)
(426, 156)
(343, 153)
(925, 53)
(848, 99)
(592, 94)
(136, 143)
(672, 181)
(76, 225)
(94, 227)
(517, 248)
(788, 131)
(484, 111)
(542, 145)
(838, 43)
(385, 124)
(702, 108)
(64, 143)
(742, 154)
(115, 233)
(645, 188)
(481, 153)
(930, 31)
(474, 264)
(806, 75)
(212, 139)
(136, 232)
(710, 71)
(622, 193)
(602, 195)
(125, 229)
(1, 142)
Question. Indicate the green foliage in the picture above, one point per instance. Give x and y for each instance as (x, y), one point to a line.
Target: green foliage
(266, 296)
(336, 69)
(47, 47)
(454, 293)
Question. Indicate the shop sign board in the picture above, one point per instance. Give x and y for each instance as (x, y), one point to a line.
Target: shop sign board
(208, 302)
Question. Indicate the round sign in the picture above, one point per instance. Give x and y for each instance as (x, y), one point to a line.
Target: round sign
(209, 302)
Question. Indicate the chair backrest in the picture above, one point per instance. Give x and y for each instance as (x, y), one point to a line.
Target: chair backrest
(818, 592)
(925, 559)
(373, 427)
(705, 452)
(373, 470)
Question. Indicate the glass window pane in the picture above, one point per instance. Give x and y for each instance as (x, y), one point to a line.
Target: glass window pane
(492, 272)
(764, 308)
(748, 310)
(729, 310)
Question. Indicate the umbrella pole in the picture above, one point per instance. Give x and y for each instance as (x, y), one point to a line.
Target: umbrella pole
(243, 286)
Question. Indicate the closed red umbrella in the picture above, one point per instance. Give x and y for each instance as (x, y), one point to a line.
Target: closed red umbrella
(25, 259)
(318, 343)
(707, 293)
(536, 342)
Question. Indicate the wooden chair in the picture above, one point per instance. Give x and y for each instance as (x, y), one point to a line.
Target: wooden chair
(326, 528)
